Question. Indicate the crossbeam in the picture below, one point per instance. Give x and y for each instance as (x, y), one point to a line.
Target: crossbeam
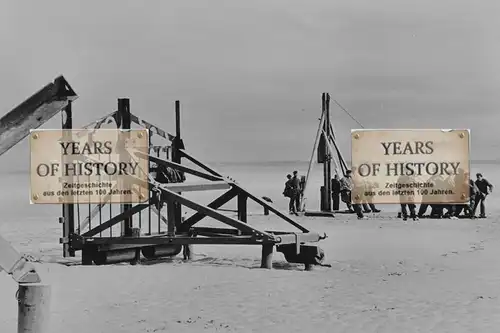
(205, 167)
(180, 187)
(220, 201)
(34, 112)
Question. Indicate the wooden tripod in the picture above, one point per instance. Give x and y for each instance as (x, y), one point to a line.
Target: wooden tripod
(327, 150)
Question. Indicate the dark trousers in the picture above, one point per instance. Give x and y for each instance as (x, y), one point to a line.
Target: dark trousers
(404, 211)
(422, 209)
(292, 204)
(480, 199)
(297, 202)
(336, 200)
(357, 210)
(369, 206)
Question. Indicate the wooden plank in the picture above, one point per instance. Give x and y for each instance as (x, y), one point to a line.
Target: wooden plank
(144, 241)
(34, 112)
(183, 187)
(271, 208)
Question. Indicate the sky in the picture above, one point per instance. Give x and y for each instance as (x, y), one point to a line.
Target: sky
(249, 74)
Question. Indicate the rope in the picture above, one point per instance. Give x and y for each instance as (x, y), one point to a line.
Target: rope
(350, 115)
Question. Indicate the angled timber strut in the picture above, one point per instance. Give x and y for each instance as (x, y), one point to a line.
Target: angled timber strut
(34, 112)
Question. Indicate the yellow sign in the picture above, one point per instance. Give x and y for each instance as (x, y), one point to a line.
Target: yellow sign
(88, 166)
(410, 166)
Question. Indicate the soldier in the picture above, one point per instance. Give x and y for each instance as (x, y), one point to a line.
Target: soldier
(336, 192)
(468, 207)
(485, 188)
(290, 192)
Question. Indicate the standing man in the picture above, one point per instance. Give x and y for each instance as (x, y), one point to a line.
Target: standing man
(468, 207)
(336, 192)
(346, 185)
(485, 188)
(296, 186)
(289, 193)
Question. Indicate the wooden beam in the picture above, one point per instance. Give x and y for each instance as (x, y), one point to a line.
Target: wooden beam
(177, 166)
(183, 187)
(242, 207)
(271, 208)
(197, 217)
(205, 167)
(34, 112)
(214, 214)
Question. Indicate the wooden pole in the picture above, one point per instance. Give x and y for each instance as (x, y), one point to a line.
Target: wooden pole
(68, 210)
(125, 116)
(176, 156)
(33, 308)
(325, 198)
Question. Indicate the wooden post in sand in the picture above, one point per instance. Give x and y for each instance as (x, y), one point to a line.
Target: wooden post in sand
(33, 308)
(267, 256)
(327, 171)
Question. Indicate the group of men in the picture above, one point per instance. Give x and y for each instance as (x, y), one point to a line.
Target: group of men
(342, 188)
(294, 190)
(478, 191)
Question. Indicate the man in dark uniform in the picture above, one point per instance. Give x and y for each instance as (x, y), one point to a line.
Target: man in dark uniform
(296, 186)
(336, 192)
(468, 207)
(290, 193)
(485, 188)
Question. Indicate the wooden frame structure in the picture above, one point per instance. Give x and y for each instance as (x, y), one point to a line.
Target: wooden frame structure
(327, 151)
(180, 233)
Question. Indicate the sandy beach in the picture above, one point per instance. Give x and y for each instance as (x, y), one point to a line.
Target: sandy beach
(385, 276)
